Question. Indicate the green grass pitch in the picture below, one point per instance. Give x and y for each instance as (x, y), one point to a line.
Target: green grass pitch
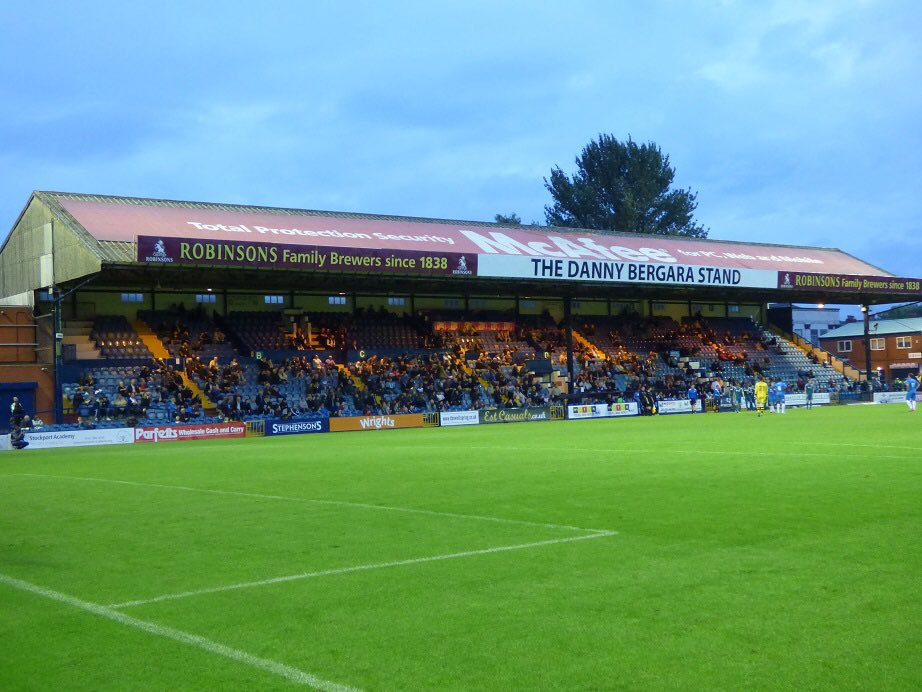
(676, 553)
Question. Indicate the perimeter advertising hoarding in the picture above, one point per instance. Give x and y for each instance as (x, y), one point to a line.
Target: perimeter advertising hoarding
(602, 410)
(450, 418)
(229, 253)
(79, 438)
(296, 427)
(384, 422)
(519, 415)
(799, 399)
(893, 397)
(849, 283)
(675, 406)
(174, 433)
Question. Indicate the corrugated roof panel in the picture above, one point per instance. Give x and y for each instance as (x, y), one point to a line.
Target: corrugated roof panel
(117, 251)
(876, 328)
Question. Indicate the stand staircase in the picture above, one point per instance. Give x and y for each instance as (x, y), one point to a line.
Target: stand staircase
(156, 347)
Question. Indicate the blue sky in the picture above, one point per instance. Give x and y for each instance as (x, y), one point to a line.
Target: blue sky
(796, 122)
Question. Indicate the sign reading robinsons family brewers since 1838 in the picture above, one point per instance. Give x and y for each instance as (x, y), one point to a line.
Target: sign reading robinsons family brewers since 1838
(228, 253)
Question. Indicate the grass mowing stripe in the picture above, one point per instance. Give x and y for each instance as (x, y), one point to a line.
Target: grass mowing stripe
(337, 503)
(360, 568)
(289, 673)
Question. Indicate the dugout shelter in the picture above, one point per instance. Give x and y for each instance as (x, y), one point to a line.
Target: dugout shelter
(75, 256)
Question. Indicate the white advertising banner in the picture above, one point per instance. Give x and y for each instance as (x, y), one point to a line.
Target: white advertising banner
(607, 271)
(891, 397)
(676, 406)
(601, 410)
(79, 438)
(448, 418)
(819, 399)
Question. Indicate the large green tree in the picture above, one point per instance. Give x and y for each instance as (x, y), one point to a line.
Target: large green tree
(622, 186)
(512, 219)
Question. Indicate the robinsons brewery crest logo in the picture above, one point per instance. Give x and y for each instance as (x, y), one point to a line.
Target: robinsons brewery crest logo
(159, 254)
(462, 267)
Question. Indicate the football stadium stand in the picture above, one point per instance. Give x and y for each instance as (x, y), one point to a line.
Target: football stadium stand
(147, 311)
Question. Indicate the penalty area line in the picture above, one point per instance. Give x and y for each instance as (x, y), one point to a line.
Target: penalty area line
(357, 568)
(280, 669)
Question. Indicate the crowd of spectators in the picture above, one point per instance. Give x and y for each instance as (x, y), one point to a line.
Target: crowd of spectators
(188, 333)
(439, 382)
(159, 384)
(471, 366)
(481, 369)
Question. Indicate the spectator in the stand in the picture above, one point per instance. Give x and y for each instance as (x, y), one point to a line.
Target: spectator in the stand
(18, 438)
(233, 408)
(120, 404)
(103, 405)
(16, 412)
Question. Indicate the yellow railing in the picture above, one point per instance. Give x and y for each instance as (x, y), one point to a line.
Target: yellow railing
(149, 339)
(594, 350)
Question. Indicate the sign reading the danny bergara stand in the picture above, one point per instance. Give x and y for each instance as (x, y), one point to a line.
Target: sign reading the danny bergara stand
(608, 271)
(229, 253)
(849, 283)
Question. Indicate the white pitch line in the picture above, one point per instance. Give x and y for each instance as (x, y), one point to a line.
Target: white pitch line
(855, 444)
(696, 452)
(288, 672)
(336, 503)
(357, 568)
